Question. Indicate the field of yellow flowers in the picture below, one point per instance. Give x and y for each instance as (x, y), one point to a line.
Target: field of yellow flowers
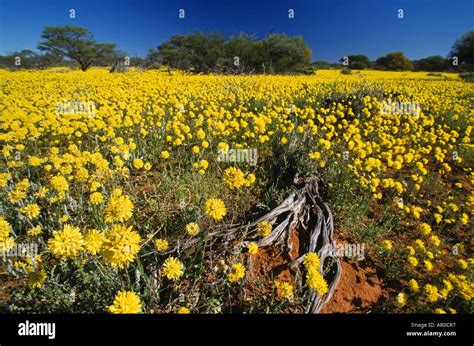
(108, 190)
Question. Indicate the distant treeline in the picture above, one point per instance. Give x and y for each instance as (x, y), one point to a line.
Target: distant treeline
(75, 46)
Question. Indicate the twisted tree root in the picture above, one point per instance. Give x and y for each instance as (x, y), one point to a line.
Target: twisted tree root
(299, 210)
(303, 208)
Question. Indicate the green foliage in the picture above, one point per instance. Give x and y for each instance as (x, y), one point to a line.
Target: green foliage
(201, 53)
(63, 292)
(468, 76)
(432, 63)
(463, 48)
(359, 62)
(214, 53)
(324, 65)
(394, 61)
(76, 43)
(29, 60)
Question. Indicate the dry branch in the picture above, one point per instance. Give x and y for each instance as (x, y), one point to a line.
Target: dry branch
(303, 209)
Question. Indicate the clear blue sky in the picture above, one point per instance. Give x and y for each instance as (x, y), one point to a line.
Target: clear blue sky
(332, 28)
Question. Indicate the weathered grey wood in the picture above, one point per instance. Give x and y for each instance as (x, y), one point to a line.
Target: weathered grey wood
(296, 211)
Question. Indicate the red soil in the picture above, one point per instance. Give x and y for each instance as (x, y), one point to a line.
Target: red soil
(358, 291)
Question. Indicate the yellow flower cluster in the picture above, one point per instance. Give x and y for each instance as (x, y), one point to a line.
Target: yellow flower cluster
(126, 302)
(237, 272)
(93, 241)
(120, 246)
(264, 228)
(161, 244)
(253, 248)
(284, 289)
(119, 209)
(215, 208)
(173, 269)
(6, 241)
(70, 169)
(31, 211)
(401, 299)
(432, 293)
(192, 229)
(66, 243)
(183, 310)
(424, 228)
(37, 277)
(235, 178)
(314, 278)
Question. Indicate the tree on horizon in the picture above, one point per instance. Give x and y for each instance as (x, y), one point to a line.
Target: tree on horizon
(76, 43)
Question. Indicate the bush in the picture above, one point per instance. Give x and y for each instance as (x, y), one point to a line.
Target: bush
(468, 76)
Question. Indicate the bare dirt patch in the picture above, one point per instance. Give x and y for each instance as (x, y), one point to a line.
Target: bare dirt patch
(359, 289)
